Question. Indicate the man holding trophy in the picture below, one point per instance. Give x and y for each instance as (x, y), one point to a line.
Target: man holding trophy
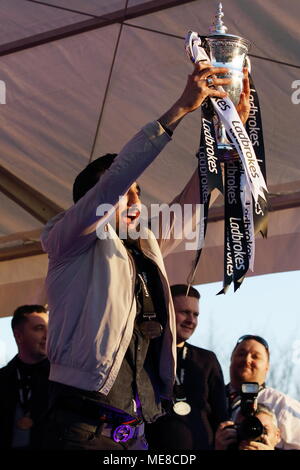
(111, 364)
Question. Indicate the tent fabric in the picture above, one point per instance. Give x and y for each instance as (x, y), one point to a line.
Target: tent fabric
(73, 99)
(279, 253)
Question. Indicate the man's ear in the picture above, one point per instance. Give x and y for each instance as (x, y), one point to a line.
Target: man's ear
(268, 367)
(18, 335)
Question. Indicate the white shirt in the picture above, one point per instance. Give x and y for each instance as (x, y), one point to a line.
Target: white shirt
(287, 411)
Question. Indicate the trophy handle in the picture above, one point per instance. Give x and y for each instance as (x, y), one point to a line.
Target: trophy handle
(194, 48)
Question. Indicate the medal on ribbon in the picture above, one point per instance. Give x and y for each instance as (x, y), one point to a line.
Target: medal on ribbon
(24, 423)
(181, 406)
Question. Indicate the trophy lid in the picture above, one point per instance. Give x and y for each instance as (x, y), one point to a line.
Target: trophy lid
(218, 29)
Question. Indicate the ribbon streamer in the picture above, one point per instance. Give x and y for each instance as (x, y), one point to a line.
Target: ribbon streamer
(245, 186)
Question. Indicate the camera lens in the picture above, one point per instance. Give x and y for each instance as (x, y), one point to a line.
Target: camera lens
(250, 428)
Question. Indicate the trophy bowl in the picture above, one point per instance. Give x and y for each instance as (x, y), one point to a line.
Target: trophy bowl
(230, 52)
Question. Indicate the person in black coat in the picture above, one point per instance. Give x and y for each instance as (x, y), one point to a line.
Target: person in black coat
(24, 381)
(199, 393)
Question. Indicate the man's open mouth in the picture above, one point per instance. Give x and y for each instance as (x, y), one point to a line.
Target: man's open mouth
(132, 215)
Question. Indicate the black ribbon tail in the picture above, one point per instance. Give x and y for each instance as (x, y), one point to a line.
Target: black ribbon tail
(255, 133)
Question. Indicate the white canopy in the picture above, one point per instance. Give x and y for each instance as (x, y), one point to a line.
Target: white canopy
(81, 77)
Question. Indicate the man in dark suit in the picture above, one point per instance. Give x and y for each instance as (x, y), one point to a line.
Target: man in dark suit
(24, 381)
(199, 393)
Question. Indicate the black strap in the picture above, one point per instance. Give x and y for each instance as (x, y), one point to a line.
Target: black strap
(210, 173)
(90, 408)
(148, 310)
(255, 132)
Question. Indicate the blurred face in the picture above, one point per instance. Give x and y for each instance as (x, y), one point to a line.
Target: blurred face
(129, 209)
(249, 363)
(31, 337)
(270, 430)
(187, 312)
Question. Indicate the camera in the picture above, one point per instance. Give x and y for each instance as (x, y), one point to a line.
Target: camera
(250, 428)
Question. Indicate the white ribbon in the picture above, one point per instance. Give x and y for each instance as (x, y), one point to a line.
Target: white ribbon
(235, 129)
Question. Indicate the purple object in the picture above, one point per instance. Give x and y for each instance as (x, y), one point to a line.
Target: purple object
(123, 433)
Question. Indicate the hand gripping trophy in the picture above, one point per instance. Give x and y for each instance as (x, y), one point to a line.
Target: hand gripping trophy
(245, 189)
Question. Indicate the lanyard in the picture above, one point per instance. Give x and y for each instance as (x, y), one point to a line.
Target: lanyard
(181, 406)
(180, 378)
(24, 391)
(148, 307)
(147, 320)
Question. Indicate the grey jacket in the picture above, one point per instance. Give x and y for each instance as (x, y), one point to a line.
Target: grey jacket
(90, 281)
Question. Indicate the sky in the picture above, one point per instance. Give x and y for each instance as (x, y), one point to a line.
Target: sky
(265, 305)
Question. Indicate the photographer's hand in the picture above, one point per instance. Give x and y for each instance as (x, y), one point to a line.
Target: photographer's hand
(255, 445)
(225, 436)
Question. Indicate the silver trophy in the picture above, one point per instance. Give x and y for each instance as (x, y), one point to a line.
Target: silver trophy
(227, 50)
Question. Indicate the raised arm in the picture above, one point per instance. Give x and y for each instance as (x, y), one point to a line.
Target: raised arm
(76, 227)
